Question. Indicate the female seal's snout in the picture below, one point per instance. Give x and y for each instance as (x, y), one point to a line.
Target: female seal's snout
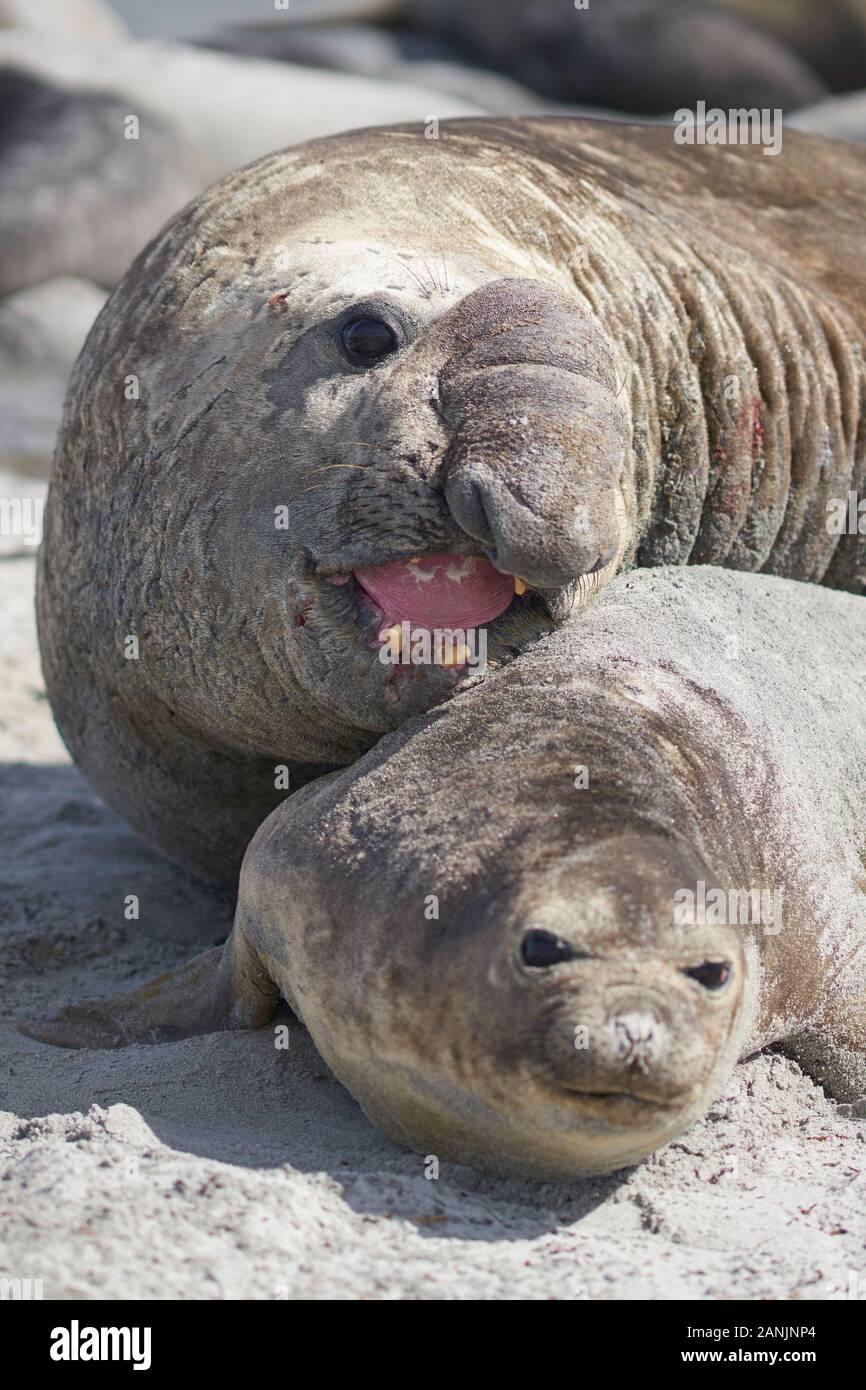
(615, 1046)
(611, 1030)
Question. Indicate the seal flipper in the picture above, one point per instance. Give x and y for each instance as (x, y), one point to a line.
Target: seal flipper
(224, 988)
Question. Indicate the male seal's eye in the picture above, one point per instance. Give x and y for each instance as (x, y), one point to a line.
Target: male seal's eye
(367, 340)
(542, 948)
(712, 974)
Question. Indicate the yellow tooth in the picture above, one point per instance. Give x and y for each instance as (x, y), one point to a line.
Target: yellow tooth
(519, 585)
(457, 656)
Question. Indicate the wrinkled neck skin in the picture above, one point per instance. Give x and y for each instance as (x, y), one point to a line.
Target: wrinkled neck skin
(742, 390)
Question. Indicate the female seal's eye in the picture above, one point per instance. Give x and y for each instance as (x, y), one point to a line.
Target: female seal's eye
(712, 974)
(541, 948)
(365, 341)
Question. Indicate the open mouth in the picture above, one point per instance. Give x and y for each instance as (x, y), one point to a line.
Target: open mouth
(455, 594)
(384, 642)
(440, 617)
(439, 591)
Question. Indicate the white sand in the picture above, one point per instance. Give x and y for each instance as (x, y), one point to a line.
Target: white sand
(220, 1167)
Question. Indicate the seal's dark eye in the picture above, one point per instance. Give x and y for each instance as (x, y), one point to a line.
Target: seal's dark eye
(542, 948)
(365, 341)
(712, 974)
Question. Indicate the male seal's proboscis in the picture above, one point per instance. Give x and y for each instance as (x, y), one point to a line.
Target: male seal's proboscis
(535, 929)
(381, 367)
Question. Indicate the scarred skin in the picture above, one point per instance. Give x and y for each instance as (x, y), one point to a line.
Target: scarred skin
(695, 727)
(612, 350)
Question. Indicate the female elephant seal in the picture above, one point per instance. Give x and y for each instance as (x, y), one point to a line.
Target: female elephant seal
(449, 381)
(535, 929)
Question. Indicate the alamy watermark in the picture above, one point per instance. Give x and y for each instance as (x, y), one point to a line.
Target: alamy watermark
(21, 1290)
(77, 1343)
(854, 1289)
(405, 645)
(731, 907)
(846, 516)
(22, 516)
(738, 126)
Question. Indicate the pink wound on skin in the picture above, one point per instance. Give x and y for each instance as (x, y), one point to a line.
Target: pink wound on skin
(439, 591)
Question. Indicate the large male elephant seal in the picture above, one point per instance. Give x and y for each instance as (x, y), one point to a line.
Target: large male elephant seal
(535, 929)
(456, 382)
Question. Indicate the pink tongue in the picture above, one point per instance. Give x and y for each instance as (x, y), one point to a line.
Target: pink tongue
(438, 591)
